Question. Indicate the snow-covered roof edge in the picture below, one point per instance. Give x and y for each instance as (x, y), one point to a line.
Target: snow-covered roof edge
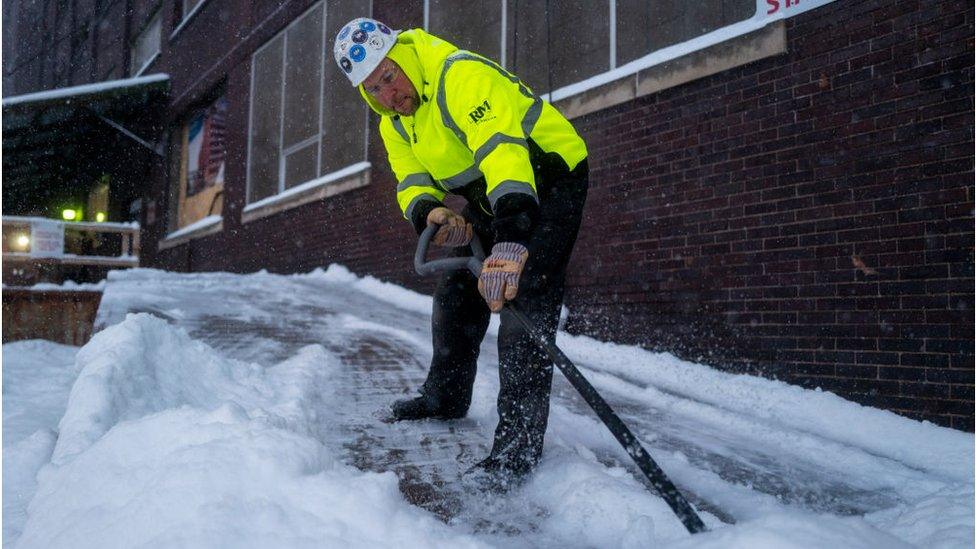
(84, 89)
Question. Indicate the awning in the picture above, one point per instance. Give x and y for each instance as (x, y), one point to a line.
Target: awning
(58, 140)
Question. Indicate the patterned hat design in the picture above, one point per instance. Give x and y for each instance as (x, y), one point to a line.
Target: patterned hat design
(360, 46)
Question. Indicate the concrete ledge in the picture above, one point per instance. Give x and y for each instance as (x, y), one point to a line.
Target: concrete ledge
(318, 192)
(759, 44)
(172, 242)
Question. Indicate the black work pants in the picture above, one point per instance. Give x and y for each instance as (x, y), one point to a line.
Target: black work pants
(460, 319)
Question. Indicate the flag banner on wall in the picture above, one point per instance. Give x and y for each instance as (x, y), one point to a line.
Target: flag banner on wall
(207, 148)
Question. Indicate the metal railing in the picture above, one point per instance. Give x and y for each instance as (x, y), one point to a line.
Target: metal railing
(21, 235)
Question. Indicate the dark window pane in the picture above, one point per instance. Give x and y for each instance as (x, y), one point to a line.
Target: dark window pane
(300, 165)
(580, 41)
(645, 26)
(578, 49)
(303, 74)
(527, 55)
(263, 157)
(475, 25)
(344, 111)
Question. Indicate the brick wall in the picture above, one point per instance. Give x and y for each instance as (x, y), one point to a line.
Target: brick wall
(807, 217)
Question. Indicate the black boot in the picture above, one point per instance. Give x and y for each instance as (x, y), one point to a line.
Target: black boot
(422, 407)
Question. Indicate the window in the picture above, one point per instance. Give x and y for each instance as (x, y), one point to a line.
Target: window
(198, 159)
(645, 26)
(306, 120)
(146, 46)
(552, 44)
(482, 38)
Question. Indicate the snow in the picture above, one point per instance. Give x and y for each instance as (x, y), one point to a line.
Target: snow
(208, 221)
(216, 410)
(85, 89)
(283, 196)
(66, 286)
(37, 376)
(27, 220)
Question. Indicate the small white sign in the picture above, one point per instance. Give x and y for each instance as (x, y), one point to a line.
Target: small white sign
(47, 238)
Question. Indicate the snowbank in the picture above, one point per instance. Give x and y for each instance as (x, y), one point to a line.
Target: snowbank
(164, 443)
(37, 377)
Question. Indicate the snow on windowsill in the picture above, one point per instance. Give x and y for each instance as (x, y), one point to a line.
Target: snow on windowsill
(186, 20)
(308, 186)
(148, 63)
(204, 223)
(658, 57)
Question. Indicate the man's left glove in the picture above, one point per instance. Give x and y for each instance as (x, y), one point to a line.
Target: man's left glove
(500, 273)
(454, 230)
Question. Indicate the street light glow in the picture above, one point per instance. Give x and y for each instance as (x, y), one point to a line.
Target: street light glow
(69, 215)
(23, 241)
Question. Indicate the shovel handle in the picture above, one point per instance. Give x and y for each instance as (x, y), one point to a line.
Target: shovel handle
(424, 267)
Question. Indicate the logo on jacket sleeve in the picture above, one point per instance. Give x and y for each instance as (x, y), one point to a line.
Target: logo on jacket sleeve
(481, 113)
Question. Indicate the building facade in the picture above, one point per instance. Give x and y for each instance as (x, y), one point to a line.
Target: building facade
(778, 187)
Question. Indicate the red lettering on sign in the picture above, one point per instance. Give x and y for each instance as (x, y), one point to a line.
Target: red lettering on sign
(773, 6)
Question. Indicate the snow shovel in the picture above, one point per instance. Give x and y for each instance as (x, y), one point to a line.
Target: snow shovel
(667, 490)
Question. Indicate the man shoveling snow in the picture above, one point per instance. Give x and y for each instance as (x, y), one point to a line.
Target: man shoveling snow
(454, 122)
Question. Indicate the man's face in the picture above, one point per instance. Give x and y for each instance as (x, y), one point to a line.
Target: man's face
(391, 88)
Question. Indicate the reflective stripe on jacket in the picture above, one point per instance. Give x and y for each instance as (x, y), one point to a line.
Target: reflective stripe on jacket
(474, 120)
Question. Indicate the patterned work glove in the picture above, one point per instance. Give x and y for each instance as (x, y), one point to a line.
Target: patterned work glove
(454, 231)
(500, 273)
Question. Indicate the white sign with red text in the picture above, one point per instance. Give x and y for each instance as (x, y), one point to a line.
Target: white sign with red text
(47, 238)
(781, 9)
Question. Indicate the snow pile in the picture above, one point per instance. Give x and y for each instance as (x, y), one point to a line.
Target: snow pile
(165, 443)
(795, 531)
(939, 521)
(37, 377)
(68, 285)
(724, 397)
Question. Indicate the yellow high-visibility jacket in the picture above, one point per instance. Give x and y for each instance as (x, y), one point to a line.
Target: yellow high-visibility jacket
(474, 120)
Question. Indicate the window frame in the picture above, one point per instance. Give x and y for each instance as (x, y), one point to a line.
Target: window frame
(179, 179)
(352, 175)
(763, 16)
(156, 18)
(185, 16)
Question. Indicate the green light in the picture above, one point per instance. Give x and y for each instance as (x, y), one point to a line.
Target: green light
(69, 214)
(100, 217)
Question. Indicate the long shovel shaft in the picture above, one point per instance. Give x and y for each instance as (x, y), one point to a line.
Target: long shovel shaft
(685, 513)
(667, 490)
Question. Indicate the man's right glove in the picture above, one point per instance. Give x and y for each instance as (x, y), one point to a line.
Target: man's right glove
(454, 230)
(500, 274)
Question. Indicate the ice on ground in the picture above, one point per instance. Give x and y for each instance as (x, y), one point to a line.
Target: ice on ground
(222, 419)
